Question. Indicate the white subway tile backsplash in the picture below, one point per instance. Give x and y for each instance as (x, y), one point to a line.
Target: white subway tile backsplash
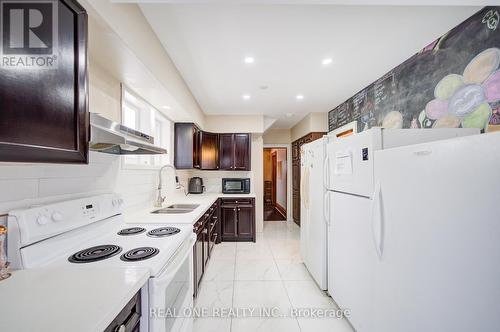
(23, 185)
(13, 190)
(19, 171)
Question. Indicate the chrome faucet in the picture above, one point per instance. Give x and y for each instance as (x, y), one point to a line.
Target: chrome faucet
(159, 198)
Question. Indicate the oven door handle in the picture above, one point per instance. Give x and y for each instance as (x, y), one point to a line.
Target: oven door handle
(176, 263)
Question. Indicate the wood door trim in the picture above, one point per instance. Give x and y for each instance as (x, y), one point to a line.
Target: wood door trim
(274, 164)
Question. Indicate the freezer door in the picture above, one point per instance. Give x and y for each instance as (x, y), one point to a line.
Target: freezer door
(350, 162)
(439, 229)
(352, 260)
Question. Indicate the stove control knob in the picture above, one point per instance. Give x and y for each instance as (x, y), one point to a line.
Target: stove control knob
(42, 220)
(57, 216)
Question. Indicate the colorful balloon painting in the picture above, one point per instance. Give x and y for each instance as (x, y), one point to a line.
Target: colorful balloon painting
(465, 99)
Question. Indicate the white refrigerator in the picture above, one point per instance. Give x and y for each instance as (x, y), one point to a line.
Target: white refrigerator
(313, 230)
(436, 237)
(349, 204)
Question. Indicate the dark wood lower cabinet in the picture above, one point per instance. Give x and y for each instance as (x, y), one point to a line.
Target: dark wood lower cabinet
(228, 219)
(206, 235)
(229, 216)
(238, 219)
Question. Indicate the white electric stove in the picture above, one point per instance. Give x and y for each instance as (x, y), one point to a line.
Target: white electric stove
(94, 232)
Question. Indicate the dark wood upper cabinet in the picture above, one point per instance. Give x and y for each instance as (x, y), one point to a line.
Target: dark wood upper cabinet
(186, 146)
(235, 152)
(226, 152)
(43, 89)
(194, 148)
(208, 150)
(242, 152)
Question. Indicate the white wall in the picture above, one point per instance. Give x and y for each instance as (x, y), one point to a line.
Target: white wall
(277, 136)
(312, 122)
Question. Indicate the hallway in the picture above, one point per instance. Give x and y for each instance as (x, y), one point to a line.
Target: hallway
(271, 213)
(266, 274)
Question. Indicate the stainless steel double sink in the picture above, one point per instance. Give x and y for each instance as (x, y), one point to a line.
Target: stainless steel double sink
(176, 209)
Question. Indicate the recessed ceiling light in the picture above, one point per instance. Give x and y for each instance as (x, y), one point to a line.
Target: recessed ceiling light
(327, 61)
(249, 59)
(246, 97)
(299, 97)
(166, 107)
(289, 115)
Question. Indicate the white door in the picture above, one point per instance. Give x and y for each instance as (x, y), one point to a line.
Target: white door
(438, 233)
(171, 293)
(350, 161)
(304, 203)
(316, 261)
(352, 260)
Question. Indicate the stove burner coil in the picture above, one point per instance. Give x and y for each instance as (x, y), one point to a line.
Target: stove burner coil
(131, 231)
(95, 254)
(163, 231)
(139, 254)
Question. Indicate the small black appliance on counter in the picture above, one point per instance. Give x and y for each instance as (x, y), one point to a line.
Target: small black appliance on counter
(196, 185)
(236, 185)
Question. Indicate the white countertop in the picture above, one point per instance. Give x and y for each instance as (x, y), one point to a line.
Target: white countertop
(204, 200)
(66, 299)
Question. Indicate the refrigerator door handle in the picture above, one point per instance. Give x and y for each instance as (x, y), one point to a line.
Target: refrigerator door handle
(326, 208)
(326, 173)
(377, 221)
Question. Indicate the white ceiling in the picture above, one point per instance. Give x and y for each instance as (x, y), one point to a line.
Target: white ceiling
(208, 44)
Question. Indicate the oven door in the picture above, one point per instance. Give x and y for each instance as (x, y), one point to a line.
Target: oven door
(171, 293)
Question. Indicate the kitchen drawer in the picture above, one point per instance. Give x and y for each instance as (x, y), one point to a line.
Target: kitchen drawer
(237, 201)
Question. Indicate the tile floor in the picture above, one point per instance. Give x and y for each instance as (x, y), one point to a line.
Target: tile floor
(265, 274)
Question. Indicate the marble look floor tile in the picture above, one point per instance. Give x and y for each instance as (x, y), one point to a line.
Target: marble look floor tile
(256, 269)
(224, 250)
(215, 294)
(286, 250)
(306, 294)
(324, 324)
(248, 250)
(290, 269)
(219, 269)
(212, 324)
(265, 325)
(261, 294)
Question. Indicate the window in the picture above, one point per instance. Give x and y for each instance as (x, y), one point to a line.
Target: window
(140, 115)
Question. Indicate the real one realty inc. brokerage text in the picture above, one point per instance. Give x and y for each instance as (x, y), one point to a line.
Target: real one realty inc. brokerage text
(263, 312)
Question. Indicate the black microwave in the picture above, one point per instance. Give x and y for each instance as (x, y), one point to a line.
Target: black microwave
(236, 185)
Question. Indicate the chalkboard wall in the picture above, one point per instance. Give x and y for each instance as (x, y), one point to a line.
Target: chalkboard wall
(453, 82)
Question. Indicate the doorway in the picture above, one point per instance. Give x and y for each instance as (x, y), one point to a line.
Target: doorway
(275, 184)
